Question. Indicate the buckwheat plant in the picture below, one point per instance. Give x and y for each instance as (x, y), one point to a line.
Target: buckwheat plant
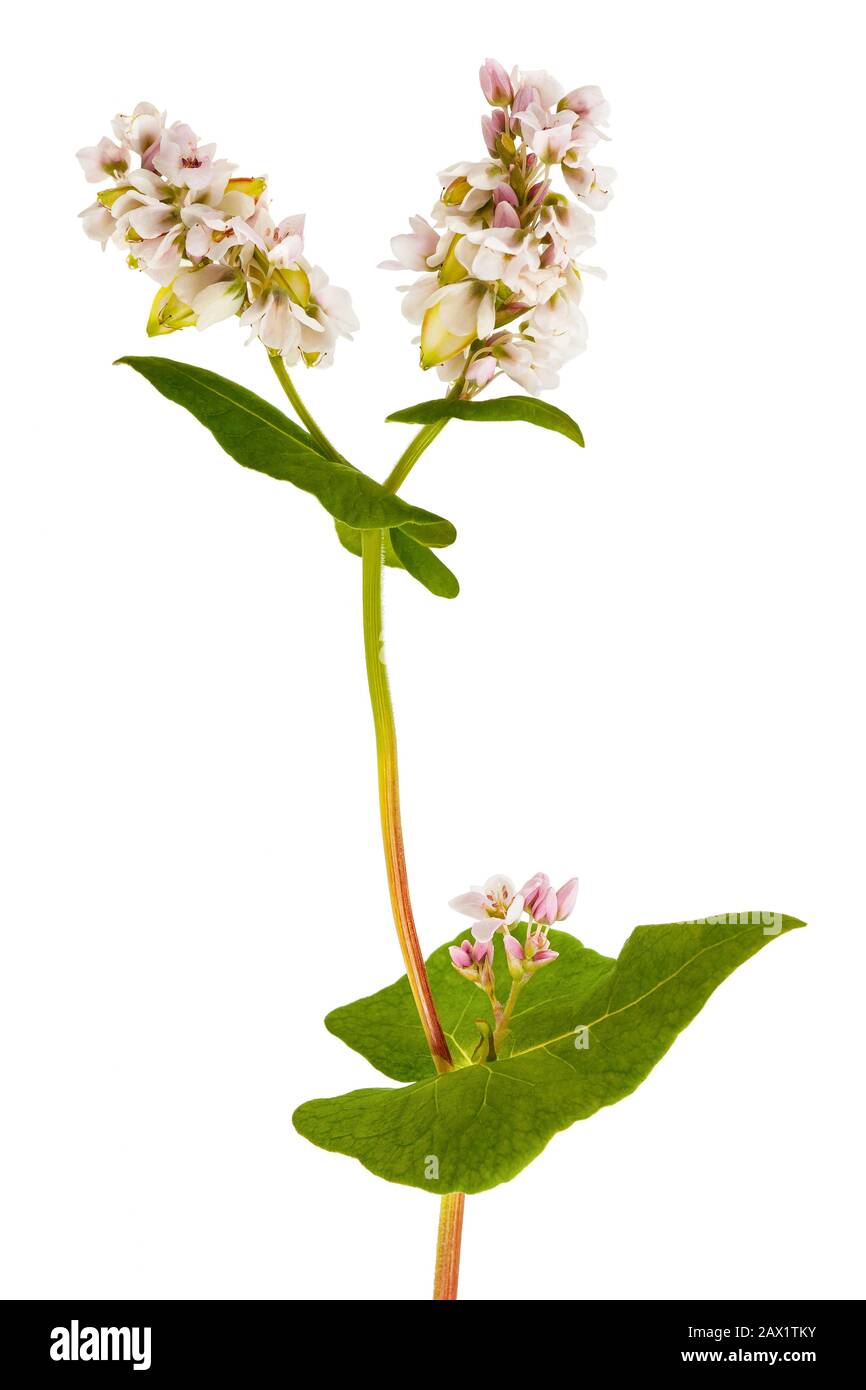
(508, 1034)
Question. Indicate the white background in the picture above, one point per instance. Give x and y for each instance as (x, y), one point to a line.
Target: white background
(652, 677)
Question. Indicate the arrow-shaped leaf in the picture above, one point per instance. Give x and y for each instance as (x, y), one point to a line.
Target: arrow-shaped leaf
(403, 552)
(527, 408)
(259, 436)
(586, 1032)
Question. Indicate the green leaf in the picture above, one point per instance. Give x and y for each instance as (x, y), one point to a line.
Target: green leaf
(402, 552)
(438, 534)
(259, 436)
(586, 1032)
(534, 412)
(424, 566)
(385, 1029)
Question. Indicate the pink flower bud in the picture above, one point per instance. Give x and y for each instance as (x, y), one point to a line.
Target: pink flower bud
(481, 950)
(545, 911)
(481, 370)
(495, 83)
(533, 891)
(514, 948)
(565, 900)
(524, 98)
(515, 957)
(461, 956)
(492, 127)
(504, 193)
(542, 958)
(537, 192)
(505, 216)
(536, 941)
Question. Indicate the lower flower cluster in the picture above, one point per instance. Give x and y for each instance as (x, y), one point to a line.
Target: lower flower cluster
(497, 908)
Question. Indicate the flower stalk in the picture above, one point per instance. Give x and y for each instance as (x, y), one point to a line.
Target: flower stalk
(372, 548)
(303, 414)
(372, 556)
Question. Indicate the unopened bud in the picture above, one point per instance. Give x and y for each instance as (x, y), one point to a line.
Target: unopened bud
(515, 957)
(545, 909)
(505, 216)
(481, 370)
(566, 897)
(492, 128)
(534, 891)
(495, 83)
(540, 959)
(524, 98)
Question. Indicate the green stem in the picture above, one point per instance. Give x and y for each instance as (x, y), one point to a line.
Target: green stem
(448, 1246)
(372, 543)
(503, 1022)
(372, 549)
(410, 456)
(413, 451)
(301, 410)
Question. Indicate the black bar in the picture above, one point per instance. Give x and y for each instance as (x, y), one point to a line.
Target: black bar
(243, 1340)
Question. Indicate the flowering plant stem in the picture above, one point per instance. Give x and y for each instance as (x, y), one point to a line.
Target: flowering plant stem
(300, 409)
(448, 1246)
(372, 554)
(389, 799)
(503, 1018)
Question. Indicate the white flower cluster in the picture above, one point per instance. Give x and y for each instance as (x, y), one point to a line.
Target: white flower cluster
(501, 284)
(209, 241)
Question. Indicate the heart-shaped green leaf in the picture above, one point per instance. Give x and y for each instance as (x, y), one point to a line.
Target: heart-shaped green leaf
(385, 1028)
(259, 436)
(402, 551)
(534, 412)
(586, 1031)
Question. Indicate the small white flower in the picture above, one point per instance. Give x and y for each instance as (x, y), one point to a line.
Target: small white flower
(213, 293)
(98, 223)
(548, 133)
(570, 229)
(141, 130)
(549, 90)
(187, 164)
(501, 253)
(418, 249)
(588, 182)
(495, 905)
(103, 161)
(486, 175)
